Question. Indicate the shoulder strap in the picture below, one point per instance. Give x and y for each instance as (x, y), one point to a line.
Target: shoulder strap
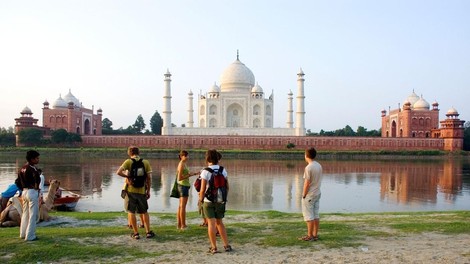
(209, 169)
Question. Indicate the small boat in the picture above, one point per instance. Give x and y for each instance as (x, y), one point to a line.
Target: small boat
(66, 200)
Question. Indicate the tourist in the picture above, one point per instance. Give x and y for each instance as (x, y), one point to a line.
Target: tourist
(214, 210)
(136, 197)
(311, 195)
(9, 192)
(183, 174)
(29, 181)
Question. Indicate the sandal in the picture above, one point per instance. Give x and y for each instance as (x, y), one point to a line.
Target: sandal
(213, 250)
(315, 238)
(150, 234)
(135, 236)
(228, 248)
(306, 238)
(203, 225)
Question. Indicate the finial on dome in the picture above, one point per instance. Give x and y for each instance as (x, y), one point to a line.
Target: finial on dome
(237, 55)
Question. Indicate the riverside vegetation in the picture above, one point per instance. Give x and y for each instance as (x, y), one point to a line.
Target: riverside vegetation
(102, 237)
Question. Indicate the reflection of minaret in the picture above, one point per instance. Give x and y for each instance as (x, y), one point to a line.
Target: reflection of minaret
(190, 110)
(300, 114)
(290, 111)
(166, 129)
(450, 182)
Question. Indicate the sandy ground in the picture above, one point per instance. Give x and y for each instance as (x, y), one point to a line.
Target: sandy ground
(423, 248)
(412, 248)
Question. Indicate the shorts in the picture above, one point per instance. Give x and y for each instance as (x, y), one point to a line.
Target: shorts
(183, 190)
(136, 203)
(311, 208)
(214, 210)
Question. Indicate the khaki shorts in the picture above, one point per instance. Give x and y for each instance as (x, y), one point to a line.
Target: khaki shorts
(311, 208)
(214, 210)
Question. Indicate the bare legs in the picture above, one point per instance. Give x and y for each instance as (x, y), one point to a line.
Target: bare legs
(215, 225)
(181, 215)
(312, 227)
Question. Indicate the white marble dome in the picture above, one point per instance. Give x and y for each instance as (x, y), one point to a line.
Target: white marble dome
(71, 98)
(237, 77)
(26, 110)
(257, 89)
(452, 111)
(214, 89)
(412, 98)
(421, 104)
(59, 103)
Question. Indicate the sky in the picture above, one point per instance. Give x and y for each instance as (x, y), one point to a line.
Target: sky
(359, 57)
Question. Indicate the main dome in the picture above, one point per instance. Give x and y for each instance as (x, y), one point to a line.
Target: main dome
(237, 77)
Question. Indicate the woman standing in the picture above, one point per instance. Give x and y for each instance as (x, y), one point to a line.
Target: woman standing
(183, 174)
(214, 209)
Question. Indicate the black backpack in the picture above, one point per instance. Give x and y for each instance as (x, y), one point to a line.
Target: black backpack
(217, 185)
(137, 174)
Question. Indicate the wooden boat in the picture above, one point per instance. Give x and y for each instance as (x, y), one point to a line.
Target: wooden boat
(67, 200)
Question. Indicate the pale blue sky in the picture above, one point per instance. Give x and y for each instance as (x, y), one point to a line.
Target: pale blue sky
(359, 57)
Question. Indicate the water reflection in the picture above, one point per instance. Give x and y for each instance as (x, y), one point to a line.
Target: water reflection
(348, 185)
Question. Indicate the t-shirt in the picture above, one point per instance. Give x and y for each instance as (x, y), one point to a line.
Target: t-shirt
(206, 175)
(127, 166)
(314, 173)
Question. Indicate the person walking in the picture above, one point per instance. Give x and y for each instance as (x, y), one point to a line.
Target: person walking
(214, 210)
(311, 194)
(136, 197)
(183, 174)
(29, 181)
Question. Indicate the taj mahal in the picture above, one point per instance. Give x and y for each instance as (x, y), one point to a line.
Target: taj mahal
(237, 107)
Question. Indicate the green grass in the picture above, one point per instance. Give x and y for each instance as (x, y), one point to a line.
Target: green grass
(92, 241)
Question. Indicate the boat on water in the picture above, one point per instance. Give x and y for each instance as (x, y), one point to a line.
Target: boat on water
(67, 200)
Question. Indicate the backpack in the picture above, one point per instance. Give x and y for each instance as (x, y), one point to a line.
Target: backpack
(217, 190)
(137, 174)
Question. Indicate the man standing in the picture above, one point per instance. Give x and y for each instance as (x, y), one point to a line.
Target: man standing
(136, 198)
(311, 195)
(29, 179)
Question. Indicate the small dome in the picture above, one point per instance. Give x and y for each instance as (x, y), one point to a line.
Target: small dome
(257, 89)
(236, 77)
(214, 89)
(26, 110)
(412, 98)
(421, 104)
(59, 103)
(435, 103)
(71, 98)
(452, 111)
(45, 103)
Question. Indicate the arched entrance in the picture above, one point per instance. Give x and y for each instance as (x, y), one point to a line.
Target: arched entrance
(394, 128)
(235, 116)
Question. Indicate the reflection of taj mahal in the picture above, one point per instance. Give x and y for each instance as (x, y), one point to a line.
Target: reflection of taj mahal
(237, 107)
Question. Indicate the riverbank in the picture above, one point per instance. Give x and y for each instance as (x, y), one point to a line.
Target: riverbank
(257, 237)
(291, 154)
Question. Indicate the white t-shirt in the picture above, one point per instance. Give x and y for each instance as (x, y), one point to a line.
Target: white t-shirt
(206, 175)
(314, 173)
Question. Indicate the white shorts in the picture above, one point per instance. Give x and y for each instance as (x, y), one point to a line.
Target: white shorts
(311, 208)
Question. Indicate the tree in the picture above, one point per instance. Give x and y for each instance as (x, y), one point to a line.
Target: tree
(30, 136)
(59, 136)
(466, 136)
(107, 124)
(139, 124)
(7, 137)
(156, 123)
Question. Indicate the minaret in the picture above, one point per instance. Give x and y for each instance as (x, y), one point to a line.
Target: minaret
(300, 114)
(166, 129)
(190, 109)
(290, 111)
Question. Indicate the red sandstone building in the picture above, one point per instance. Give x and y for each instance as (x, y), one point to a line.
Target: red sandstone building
(416, 119)
(66, 113)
